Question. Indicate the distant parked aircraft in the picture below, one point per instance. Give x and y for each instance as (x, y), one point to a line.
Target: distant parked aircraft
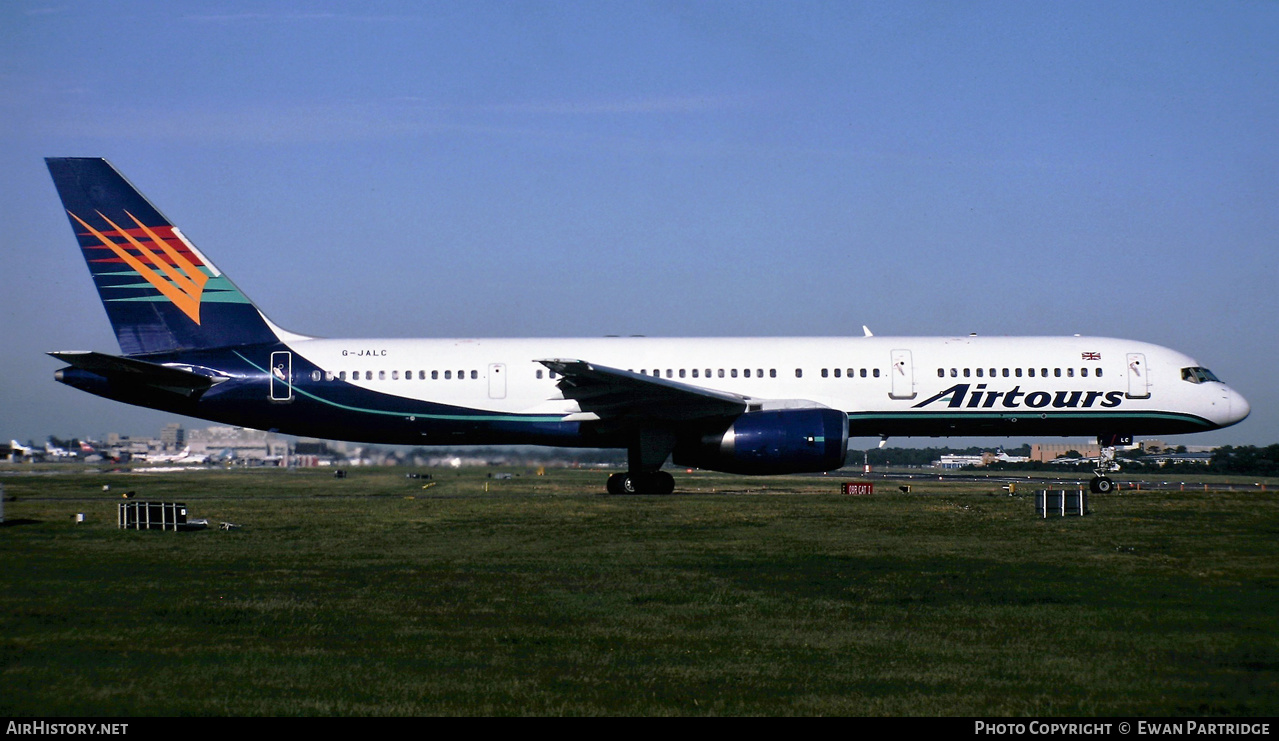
(23, 451)
(54, 451)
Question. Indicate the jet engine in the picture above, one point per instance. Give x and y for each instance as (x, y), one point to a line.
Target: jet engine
(771, 442)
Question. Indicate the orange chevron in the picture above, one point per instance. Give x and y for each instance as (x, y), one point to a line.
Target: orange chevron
(181, 283)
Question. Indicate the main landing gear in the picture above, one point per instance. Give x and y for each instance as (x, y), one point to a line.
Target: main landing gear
(656, 482)
(644, 458)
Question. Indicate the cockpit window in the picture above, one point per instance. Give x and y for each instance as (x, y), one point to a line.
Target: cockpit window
(1198, 375)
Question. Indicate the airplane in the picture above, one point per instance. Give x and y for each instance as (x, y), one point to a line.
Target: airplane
(23, 451)
(192, 343)
(57, 452)
(183, 457)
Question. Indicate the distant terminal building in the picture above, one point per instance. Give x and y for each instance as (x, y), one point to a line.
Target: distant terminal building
(1042, 453)
(238, 443)
(173, 437)
(955, 461)
(1048, 453)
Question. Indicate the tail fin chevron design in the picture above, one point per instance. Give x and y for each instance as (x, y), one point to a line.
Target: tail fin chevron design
(160, 293)
(183, 288)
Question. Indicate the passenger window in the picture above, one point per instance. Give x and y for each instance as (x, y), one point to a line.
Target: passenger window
(799, 373)
(1017, 372)
(1070, 372)
(824, 373)
(315, 375)
(979, 370)
(368, 375)
(875, 373)
(837, 373)
(475, 375)
(381, 375)
(1030, 372)
(733, 372)
(721, 372)
(395, 375)
(448, 375)
(1083, 372)
(1099, 372)
(435, 375)
(966, 373)
(342, 376)
(539, 374)
(1057, 372)
(681, 372)
(694, 373)
(954, 373)
(1006, 373)
(772, 373)
(941, 372)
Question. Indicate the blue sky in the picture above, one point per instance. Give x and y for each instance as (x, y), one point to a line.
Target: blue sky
(661, 168)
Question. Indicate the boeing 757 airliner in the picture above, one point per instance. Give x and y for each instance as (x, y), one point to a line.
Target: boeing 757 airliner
(193, 344)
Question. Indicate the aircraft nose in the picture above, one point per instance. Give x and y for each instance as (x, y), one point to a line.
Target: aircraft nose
(1238, 407)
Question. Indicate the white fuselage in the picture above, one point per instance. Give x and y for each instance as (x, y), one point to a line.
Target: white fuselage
(886, 382)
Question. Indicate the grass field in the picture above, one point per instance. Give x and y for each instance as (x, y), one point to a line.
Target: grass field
(539, 596)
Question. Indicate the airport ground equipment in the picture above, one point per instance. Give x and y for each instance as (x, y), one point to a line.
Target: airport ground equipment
(1062, 502)
(136, 515)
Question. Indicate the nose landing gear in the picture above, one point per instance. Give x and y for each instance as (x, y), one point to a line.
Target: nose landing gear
(1106, 463)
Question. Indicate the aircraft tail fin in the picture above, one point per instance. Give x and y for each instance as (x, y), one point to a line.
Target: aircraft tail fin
(160, 293)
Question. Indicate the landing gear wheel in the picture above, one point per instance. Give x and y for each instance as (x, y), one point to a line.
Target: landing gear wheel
(1101, 485)
(658, 482)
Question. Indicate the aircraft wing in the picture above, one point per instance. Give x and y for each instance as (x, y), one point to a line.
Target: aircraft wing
(137, 371)
(622, 396)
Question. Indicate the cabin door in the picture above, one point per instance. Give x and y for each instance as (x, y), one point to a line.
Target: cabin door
(497, 380)
(903, 374)
(1138, 377)
(282, 376)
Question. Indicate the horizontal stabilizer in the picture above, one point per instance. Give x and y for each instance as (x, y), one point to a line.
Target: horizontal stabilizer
(137, 371)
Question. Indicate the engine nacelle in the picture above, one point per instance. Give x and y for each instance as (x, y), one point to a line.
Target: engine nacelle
(772, 442)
